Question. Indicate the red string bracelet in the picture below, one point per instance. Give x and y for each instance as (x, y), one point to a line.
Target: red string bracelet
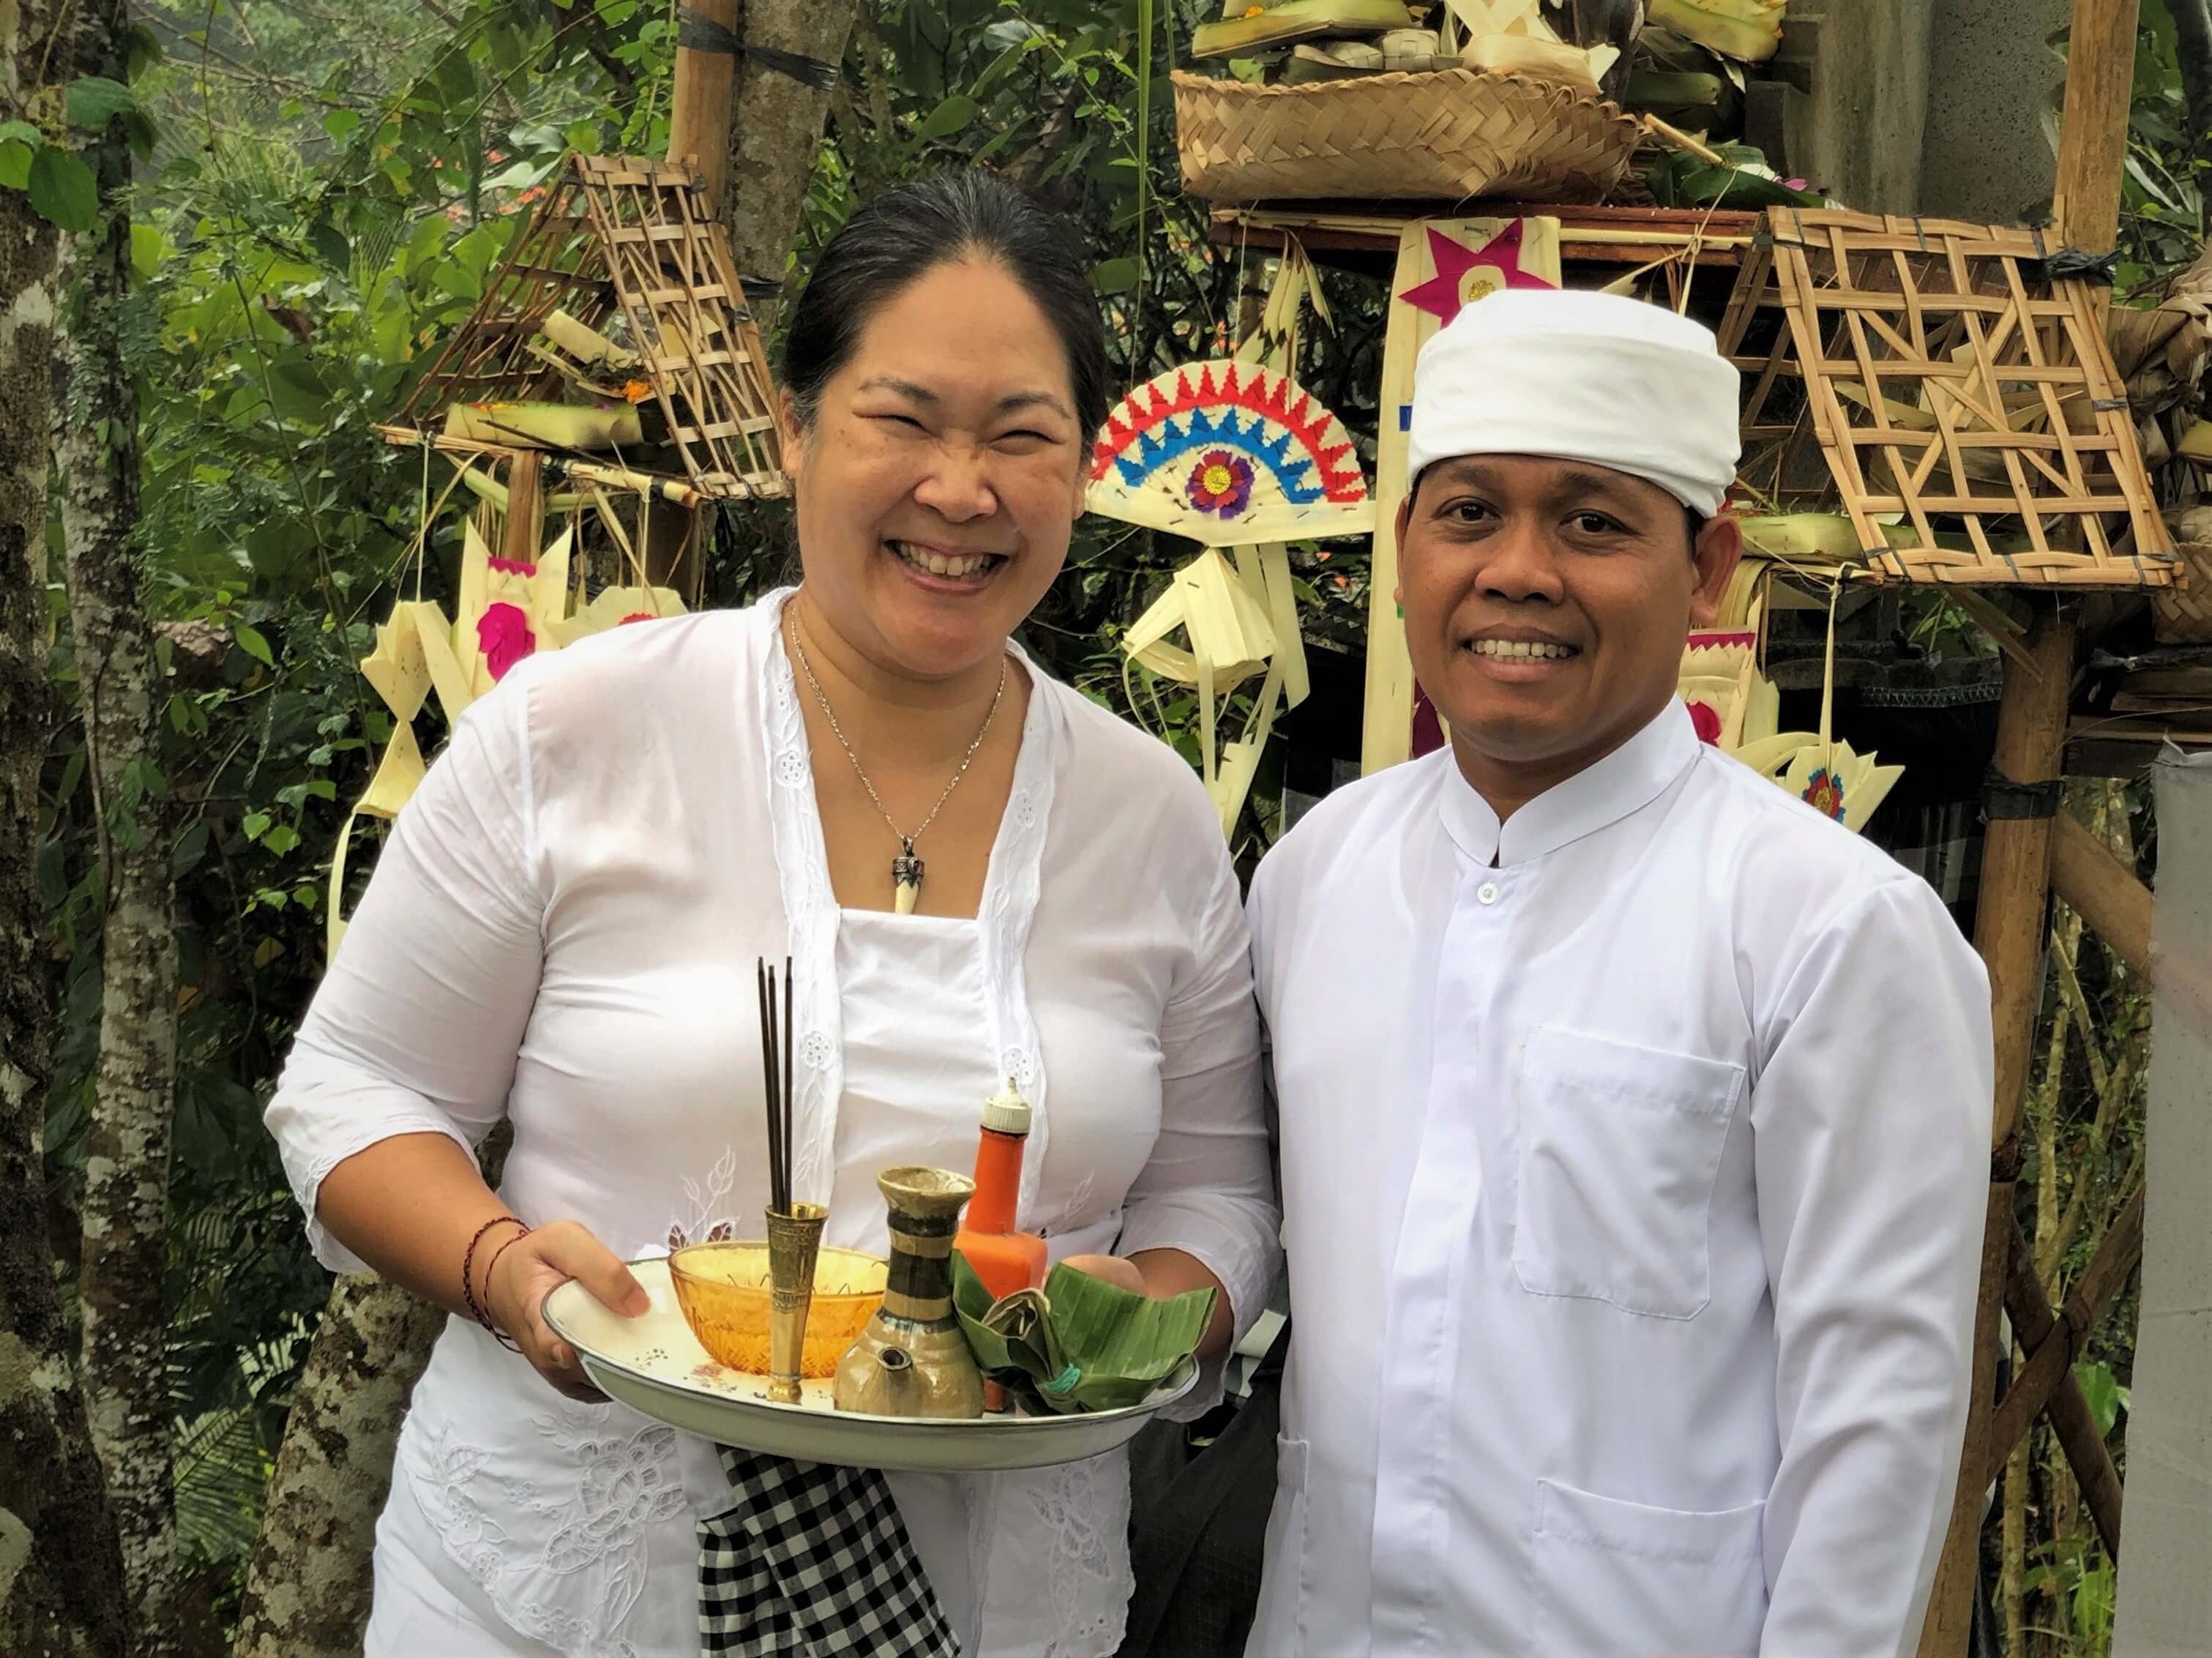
(468, 1262)
(491, 1266)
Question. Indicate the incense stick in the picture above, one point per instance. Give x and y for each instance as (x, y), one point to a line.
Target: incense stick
(787, 1073)
(775, 1089)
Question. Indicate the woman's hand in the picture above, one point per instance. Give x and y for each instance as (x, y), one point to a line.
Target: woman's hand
(531, 1267)
(1163, 1274)
(1123, 1274)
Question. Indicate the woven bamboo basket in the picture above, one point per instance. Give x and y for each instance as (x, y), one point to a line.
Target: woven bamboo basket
(1448, 135)
(2182, 614)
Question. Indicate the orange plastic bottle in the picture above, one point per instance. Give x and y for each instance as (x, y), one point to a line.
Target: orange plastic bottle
(1004, 1259)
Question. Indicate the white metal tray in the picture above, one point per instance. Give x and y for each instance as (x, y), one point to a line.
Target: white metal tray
(655, 1365)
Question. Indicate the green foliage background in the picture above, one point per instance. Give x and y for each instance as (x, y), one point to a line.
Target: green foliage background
(322, 189)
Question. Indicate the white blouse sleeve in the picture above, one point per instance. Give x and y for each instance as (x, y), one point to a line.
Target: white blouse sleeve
(1209, 1189)
(415, 1026)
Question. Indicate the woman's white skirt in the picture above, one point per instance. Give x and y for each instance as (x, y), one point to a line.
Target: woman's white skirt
(426, 1606)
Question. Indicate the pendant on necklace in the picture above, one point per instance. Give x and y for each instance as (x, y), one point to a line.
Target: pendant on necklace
(906, 879)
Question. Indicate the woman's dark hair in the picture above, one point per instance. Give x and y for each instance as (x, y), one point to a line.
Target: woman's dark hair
(904, 234)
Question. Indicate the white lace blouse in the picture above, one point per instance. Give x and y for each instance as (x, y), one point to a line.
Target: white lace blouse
(562, 930)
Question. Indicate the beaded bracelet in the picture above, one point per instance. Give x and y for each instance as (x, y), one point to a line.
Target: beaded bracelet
(491, 1266)
(468, 1262)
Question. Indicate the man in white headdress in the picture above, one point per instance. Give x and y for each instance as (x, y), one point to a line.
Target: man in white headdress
(1634, 1117)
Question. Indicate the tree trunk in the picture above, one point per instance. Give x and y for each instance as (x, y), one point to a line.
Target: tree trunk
(124, 1359)
(773, 134)
(61, 1571)
(307, 1588)
(2192, 48)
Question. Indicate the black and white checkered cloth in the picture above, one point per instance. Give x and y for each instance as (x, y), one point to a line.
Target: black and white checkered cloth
(813, 1560)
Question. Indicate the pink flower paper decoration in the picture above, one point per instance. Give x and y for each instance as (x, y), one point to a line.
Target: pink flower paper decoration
(1221, 482)
(503, 635)
(1824, 793)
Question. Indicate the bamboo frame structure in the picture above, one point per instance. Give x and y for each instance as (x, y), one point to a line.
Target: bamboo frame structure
(2020, 858)
(626, 239)
(1942, 372)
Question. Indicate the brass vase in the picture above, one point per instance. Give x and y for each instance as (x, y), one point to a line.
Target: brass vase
(794, 1242)
(912, 1360)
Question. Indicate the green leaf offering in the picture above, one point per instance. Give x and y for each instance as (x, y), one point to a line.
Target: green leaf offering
(1745, 181)
(1079, 1344)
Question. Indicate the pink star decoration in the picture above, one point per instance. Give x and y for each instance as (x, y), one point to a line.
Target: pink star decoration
(1444, 295)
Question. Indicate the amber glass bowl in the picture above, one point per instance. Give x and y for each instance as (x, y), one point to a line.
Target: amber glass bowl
(723, 1290)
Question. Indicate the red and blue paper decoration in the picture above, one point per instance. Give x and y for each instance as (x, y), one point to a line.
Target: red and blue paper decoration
(1230, 454)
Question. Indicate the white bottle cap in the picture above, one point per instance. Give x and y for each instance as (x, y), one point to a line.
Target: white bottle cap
(1006, 1112)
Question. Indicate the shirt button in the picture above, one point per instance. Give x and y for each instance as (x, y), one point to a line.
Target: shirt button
(1487, 892)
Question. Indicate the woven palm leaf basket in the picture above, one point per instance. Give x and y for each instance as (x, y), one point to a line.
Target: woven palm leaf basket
(2182, 614)
(1446, 135)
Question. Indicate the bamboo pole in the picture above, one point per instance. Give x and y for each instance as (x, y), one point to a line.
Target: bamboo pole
(1950, 1623)
(2011, 920)
(523, 529)
(2046, 1383)
(660, 487)
(2016, 859)
(2109, 899)
(699, 109)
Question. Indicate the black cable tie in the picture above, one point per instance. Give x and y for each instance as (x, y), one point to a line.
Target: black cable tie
(2101, 404)
(2004, 801)
(2072, 263)
(698, 33)
(760, 287)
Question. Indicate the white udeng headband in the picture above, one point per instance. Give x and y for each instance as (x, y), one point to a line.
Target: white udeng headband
(1567, 376)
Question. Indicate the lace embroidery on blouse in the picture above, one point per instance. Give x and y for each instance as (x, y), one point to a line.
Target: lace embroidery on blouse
(619, 1483)
(704, 1218)
(1083, 1508)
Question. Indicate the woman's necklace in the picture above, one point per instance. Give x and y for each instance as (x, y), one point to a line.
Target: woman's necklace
(906, 868)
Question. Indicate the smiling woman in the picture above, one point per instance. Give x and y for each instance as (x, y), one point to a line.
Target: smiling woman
(977, 873)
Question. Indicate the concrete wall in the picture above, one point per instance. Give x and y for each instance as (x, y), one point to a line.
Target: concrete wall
(1854, 130)
(1932, 106)
(1985, 157)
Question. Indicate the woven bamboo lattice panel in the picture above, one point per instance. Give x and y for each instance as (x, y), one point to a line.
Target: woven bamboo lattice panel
(1935, 375)
(624, 238)
(1447, 135)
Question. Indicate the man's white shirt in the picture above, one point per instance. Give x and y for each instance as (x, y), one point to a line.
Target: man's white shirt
(1634, 1158)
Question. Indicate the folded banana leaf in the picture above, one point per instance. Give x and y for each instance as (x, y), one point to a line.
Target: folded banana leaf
(1079, 1344)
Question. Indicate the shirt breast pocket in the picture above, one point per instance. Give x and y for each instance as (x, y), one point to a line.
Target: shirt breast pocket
(1619, 1148)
